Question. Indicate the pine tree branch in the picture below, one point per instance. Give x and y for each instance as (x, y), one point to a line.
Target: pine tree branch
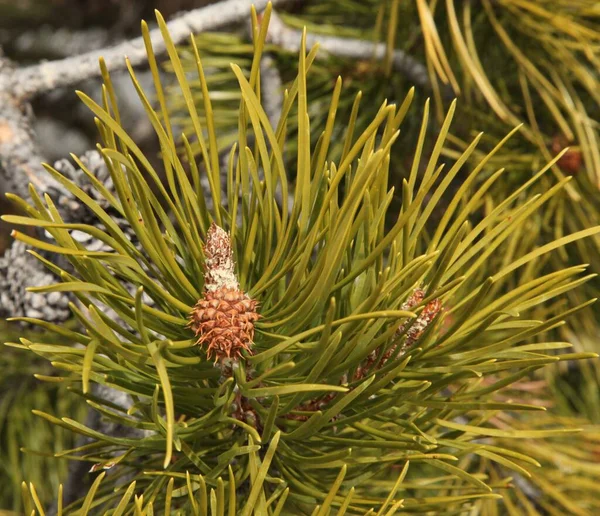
(289, 39)
(20, 157)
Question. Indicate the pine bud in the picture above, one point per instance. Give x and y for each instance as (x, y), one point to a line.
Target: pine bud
(223, 319)
(415, 329)
(572, 160)
(425, 318)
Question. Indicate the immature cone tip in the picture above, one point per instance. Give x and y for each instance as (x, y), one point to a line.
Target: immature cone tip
(223, 319)
(220, 269)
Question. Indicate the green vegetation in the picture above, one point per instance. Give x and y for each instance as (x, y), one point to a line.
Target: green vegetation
(412, 281)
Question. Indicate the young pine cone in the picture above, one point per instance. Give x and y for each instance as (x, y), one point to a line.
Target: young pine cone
(223, 319)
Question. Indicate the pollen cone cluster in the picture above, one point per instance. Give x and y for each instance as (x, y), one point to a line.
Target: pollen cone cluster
(223, 319)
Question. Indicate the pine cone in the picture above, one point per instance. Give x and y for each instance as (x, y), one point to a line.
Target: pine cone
(223, 319)
(19, 270)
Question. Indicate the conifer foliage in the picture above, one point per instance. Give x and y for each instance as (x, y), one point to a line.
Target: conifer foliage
(327, 344)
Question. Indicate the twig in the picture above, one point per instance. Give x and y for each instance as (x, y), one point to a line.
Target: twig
(44, 76)
(289, 39)
(18, 147)
(47, 41)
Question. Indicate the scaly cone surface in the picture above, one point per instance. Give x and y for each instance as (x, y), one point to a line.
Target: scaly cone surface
(223, 319)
